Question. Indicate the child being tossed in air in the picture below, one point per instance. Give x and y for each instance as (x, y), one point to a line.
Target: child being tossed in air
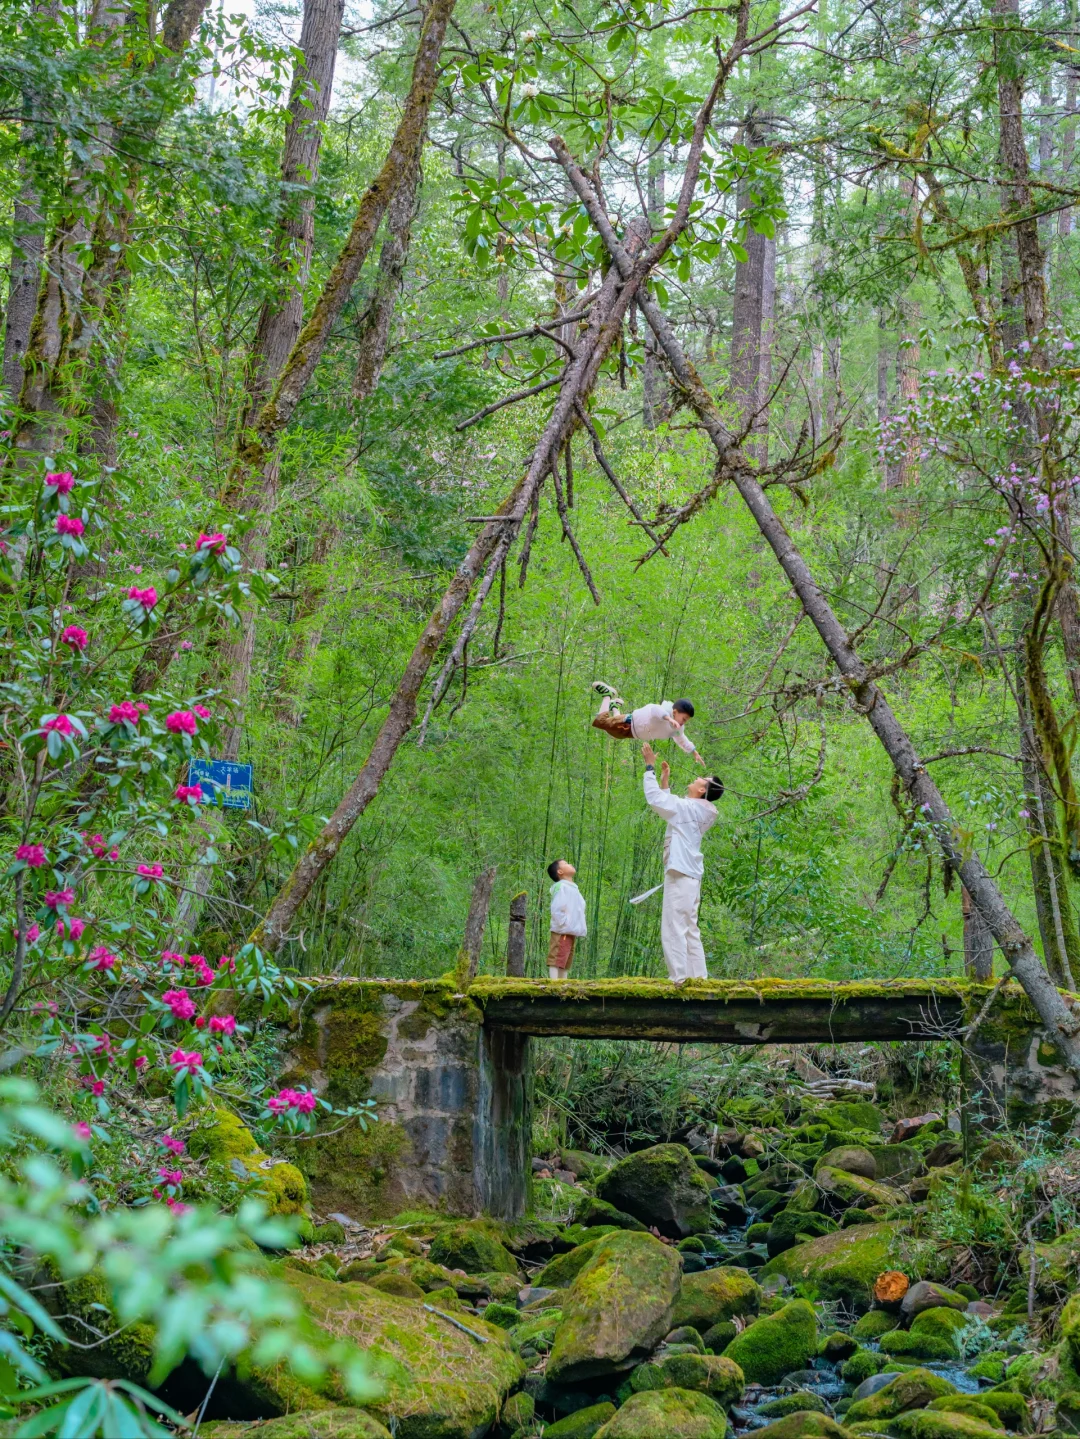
(567, 918)
(650, 722)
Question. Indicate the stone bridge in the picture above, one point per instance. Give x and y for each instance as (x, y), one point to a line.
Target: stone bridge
(449, 1066)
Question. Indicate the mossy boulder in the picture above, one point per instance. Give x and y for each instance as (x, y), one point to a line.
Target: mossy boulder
(845, 1190)
(536, 1332)
(717, 1339)
(787, 1227)
(874, 1323)
(914, 1389)
(862, 1364)
(803, 1422)
(329, 1233)
(661, 1187)
(712, 1374)
(837, 1347)
(1010, 1408)
(583, 1424)
(617, 1309)
(966, 1404)
(220, 1138)
(421, 1271)
(401, 1285)
(803, 1401)
(517, 1412)
(927, 1295)
(473, 1248)
(591, 1211)
(129, 1351)
(842, 1265)
(776, 1344)
(320, 1424)
(565, 1268)
(716, 1294)
(933, 1424)
(850, 1158)
(933, 1337)
(990, 1366)
(896, 1162)
(673, 1413)
(438, 1380)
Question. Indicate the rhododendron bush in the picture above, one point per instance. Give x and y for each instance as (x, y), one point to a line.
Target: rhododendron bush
(106, 1012)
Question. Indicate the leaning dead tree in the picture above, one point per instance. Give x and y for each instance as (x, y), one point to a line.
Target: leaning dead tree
(866, 696)
(602, 328)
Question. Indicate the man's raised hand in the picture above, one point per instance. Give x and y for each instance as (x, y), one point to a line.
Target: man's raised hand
(648, 753)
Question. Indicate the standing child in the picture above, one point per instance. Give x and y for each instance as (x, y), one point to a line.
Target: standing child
(567, 918)
(650, 722)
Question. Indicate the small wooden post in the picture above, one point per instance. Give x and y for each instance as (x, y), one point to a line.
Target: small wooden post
(515, 937)
(476, 923)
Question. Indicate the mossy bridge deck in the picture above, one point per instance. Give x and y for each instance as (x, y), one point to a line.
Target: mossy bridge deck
(731, 1011)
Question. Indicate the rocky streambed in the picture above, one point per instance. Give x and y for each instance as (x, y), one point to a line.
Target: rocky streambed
(784, 1285)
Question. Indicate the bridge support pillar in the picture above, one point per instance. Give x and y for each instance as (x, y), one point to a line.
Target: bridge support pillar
(453, 1098)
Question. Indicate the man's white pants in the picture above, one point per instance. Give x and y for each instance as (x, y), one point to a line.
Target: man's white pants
(679, 933)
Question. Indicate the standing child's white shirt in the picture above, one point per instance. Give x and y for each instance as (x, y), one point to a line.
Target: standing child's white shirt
(567, 908)
(655, 722)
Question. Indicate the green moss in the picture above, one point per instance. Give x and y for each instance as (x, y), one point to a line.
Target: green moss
(966, 1404)
(720, 1336)
(933, 1424)
(802, 1423)
(713, 1374)
(911, 1390)
(399, 1284)
(661, 1186)
(861, 1365)
(801, 1402)
(442, 1299)
(776, 1344)
(591, 1211)
(990, 1366)
(840, 1266)
(356, 1168)
(584, 1424)
(438, 1379)
(846, 1189)
(220, 1138)
(928, 1347)
(537, 1330)
(674, 1413)
(716, 1294)
(874, 1324)
(473, 1248)
(321, 1424)
(127, 1354)
(617, 1308)
(837, 1347)
(565, 1268)
(329, 1233)
(504, 1315)
(786, 1227)
(1010, 1408)
(518, 1411)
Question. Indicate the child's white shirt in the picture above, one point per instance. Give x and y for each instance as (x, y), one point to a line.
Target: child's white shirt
(655, 722)
(567, 908)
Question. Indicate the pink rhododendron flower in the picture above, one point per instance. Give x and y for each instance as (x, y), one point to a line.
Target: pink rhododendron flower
(214, 543)
(95, 844)
(223, 1024)
(125, 710)
(174, 1146)
(200, 1023)
(201, 711)
(114, 854)
(54, 898)
(32, 855)
(104, 1044)
(75, 636)
(82, 1130)
(171, 1176)
(140, 1061)
(62, 482)
(189, 791)
(100, 958)
(69, 525)
(170, 956)
(95, 1086)
(150, 871)
(177, 1207)
(227, 962)
(191, 1060)
(181, 722)
(306, 1102)
(61, 724)
(147, 597)
(302, 1100)
(186, 645)
(70, 929)
(180, 1002)
(31, 934)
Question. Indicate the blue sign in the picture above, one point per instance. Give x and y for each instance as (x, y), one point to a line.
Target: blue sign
(222, 782)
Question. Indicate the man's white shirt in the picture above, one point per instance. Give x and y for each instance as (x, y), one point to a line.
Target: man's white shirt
(688, 821)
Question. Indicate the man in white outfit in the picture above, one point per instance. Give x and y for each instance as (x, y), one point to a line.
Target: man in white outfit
(688, 821)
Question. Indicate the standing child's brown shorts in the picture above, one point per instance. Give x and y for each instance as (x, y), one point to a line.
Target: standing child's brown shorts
(617, 726)
(561, 951)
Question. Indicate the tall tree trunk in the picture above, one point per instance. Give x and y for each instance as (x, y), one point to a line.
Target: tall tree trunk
(1068, 131)
(255, 491)
(373, 329)
(978, 942)
(1017, 948)
(653, 386)
(27, 254)
(749, 308)
(883, 385)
